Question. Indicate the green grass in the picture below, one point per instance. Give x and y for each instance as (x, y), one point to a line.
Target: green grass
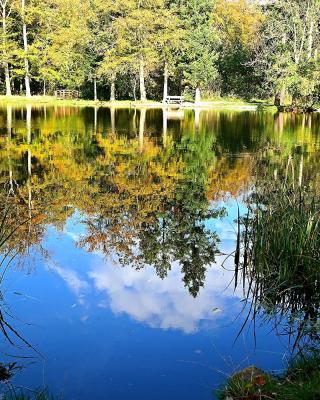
(235, 100)
(50, 100)
(302, 380)
(216, 102)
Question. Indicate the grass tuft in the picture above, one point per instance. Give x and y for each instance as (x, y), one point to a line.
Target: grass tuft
(300, 382)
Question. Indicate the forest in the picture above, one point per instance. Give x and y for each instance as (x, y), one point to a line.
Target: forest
(139, 49)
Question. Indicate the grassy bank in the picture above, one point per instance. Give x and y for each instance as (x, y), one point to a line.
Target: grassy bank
(301, 381)
(53, 101)
(212, 103)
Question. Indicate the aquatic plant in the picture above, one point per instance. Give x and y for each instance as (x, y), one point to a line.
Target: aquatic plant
(278, 251)
(8, 229)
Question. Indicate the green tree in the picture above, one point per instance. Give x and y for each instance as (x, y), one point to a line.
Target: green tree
(139, 26)
(25, 48)
(288, 49)
(199, 59)
(237, 25)
(171, 43)
(63, 39)
(8, 45)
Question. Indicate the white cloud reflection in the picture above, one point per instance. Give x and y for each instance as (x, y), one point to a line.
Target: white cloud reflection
(163, 303)
(142, 295)
(76, 284)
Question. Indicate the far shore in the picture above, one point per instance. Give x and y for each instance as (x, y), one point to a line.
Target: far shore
(232, 104)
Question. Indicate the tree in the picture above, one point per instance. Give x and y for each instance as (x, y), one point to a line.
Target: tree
(25, 48)
(139, 25)
(241, 48)
(237, 25)
(199, 59)
(170, 43)
(6, 43)
(63, 40)
(43, 17)
(288, 49)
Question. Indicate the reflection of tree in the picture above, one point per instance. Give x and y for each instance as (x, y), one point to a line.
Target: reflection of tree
(281, 244)
(143, 198)
(155, 207)
(179, 234)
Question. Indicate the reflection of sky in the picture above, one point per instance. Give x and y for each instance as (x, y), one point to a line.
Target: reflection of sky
(145, 297)
(159, 303)
(113, 332)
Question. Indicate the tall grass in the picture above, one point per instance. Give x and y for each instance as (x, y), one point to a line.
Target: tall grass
(8, 229)
(278, 252)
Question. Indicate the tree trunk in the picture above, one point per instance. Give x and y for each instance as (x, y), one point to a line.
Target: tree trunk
(4, 42)
(143, 95)
(294, 100)
(277, 99)
(25, 47)
(165, 81)
(7, 76)
(113, 88)
(95, 94)
(310, 39)
(198, 96)
(44, 87)
(135, 90)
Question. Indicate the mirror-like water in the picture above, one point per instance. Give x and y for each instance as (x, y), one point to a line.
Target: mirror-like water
(122, 229)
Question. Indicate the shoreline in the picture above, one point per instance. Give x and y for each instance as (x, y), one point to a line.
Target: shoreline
(235, 105)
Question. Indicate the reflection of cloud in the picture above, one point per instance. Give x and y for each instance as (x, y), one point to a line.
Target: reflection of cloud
(146, 298)
(74, 236)
(75, 283)
(163, 303)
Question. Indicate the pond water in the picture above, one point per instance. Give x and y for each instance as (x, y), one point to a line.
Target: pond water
(123, 226)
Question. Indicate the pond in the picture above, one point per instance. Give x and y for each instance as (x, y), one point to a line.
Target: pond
(120, 277)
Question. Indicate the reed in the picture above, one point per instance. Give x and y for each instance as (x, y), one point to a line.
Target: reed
(7, 255)
(278, 254)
